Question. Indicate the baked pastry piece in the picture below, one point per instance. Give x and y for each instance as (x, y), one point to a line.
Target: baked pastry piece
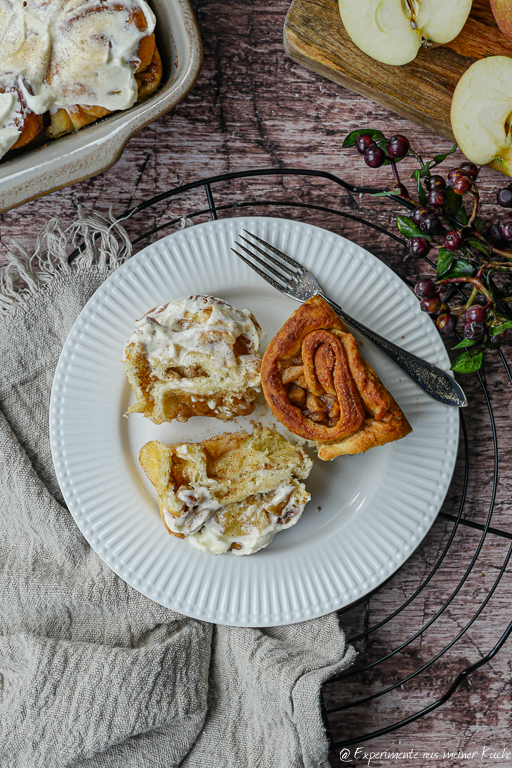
(64, 65)
(321, 388)
(231, 492)
(194, 356)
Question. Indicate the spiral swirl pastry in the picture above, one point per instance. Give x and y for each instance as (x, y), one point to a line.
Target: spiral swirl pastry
(321, 388)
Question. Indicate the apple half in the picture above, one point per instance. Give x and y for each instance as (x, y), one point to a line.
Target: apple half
(481, 113)
(393, 31)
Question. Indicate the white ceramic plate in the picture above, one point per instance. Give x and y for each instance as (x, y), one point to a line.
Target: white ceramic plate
(367, 513)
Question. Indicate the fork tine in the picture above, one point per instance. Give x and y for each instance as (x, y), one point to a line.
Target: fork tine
(260, 272)
(284, 277)
(277, 252)
(287, 271)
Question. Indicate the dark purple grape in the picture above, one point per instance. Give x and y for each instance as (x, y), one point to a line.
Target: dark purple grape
(363, 142)
(401, 189)
(431, 305)
(425, 289)
(471, 170)
(453, 240)
(437, 198)
(419, 213)
(418, 247)
(397, 147)
(446, 323)
(435, 182)
(505, 228)
(476, 313)
(430, 223)
(374, 157)
(474, 331)
(459, 181)
(495, 232)
(504, 197)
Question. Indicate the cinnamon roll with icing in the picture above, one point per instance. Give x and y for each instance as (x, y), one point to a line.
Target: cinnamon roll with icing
(194, 356)
(233, 492)
(65, 64)
(320, 387)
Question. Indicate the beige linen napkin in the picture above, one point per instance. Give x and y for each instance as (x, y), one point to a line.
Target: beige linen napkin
(92, 673)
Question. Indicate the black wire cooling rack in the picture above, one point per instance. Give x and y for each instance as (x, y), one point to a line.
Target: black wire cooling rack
(458, 520)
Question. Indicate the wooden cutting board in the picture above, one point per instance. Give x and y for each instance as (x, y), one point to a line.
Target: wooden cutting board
(420, 91)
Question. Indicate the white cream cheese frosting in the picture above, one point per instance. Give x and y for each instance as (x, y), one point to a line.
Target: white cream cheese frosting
(212, 537)
(9, 132)
(200, 331)
(61, 53)
(199, 506)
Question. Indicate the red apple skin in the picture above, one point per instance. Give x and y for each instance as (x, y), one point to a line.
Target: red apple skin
(502, 10)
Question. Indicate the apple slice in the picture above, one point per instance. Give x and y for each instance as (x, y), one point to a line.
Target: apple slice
(502, 10)
(393, 31)
(481, 113)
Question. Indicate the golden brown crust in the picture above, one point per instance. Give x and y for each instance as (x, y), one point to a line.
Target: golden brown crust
(27, 122)
(32, 127)
(145, 52)
(150, 458)
(149, 79)
(321, 388)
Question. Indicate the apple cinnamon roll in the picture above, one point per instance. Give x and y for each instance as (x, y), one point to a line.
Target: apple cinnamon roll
(233, 492)
(196, 356)
(320, 387)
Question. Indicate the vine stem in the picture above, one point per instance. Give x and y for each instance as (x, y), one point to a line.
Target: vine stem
(474, 281)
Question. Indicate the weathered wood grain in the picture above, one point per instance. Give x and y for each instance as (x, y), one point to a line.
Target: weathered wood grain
(421, 90)
(254, 107)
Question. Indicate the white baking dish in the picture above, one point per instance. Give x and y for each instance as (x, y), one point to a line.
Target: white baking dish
(96, 147)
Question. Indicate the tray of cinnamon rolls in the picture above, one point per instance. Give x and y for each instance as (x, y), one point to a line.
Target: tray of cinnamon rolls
(223, 420)
(67, 65)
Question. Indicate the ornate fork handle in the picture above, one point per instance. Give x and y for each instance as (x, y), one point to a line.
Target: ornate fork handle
(426, 375)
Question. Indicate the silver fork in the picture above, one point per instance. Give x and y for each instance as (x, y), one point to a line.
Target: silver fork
(292, 279)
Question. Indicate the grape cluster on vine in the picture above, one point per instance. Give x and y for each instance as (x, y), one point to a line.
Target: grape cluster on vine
(469, 254)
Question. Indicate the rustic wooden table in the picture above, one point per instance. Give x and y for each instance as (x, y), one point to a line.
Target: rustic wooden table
(252, 107)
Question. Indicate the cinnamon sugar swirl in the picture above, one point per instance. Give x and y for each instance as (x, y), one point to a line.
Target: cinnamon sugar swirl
(321, 388)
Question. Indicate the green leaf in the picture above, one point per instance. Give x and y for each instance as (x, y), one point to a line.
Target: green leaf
(495, 330)
(420, 173)
(460, 268)
(444, 260)
(408, 228)
(479, 224)
(350, 140)
(425, 170)
(478, 245)
(461, 214)
(454, 201)
(464, 343)
(495, 293)
(468, 362)
(422, 195)
(439, 158)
